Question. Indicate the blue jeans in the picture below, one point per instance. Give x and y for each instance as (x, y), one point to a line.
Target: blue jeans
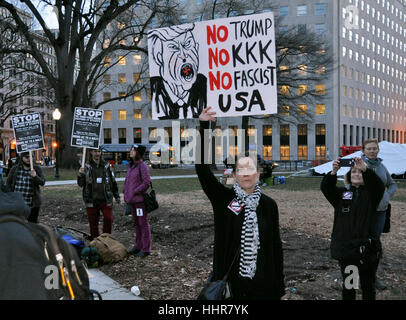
(380, 223)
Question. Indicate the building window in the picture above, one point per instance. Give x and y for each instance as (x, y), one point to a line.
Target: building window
(301, 28)
(122, 61)
(320, 141)
(302, 109)
(122, 78)
(137, 114)
(320, 29)
(137, 96)
(107, 114)
(122, 135)
(137, 59)
(107, 135)
(284, 110)
(285, 90)
(284, 142)
(283, 11)
(320, 9)
(267, 143)
(106, 96)
(301, 90)
(320, 89)
(107, 79)
(320, 109)
(152, 135)
(302, 10)
(122, 114)
(107, 61)
(302, 142)
(137, 135)
(136, 77)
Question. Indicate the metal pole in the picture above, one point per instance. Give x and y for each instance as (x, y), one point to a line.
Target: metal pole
(56, 151)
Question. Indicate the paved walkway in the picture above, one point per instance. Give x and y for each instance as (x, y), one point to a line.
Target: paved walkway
(66, 182)
(108, 288)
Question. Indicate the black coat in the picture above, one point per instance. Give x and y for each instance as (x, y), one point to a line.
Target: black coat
(356, 218)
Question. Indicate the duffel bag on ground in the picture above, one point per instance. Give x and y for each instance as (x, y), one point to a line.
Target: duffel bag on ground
(109, 248)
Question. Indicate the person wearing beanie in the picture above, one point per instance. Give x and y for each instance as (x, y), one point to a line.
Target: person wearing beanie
(99, 187)
(136, 183)
(27, 182)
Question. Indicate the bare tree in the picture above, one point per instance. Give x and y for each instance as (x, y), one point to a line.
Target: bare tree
(82, 50)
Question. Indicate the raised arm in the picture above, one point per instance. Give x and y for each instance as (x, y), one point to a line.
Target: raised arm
(210, 185)
(329, 185)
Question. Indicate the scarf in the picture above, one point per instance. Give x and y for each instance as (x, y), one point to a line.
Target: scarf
(250, 232)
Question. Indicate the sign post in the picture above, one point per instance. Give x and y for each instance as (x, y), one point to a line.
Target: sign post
(86, 129)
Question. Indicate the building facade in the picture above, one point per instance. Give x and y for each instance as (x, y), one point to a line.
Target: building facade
(363, 97)
(19, 78)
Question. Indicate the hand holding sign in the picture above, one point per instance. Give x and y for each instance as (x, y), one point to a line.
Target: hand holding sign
(207, 115)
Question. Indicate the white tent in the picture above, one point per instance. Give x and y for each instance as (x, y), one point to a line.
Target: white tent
(393, 156)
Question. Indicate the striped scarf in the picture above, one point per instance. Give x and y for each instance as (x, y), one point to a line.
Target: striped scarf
(250, 232)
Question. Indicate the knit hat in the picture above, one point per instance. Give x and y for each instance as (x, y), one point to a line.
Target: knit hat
(140, 149)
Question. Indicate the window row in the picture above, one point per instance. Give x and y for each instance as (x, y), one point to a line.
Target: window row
(362, 113)
(355, 135)
(122, 60)
(303, 10)
(123, 114)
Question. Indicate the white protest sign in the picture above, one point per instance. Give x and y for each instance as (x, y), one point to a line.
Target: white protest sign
(28, 132)
(86, 128)
(228, 64)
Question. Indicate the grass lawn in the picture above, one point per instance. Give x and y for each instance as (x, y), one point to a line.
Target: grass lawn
(168, 186)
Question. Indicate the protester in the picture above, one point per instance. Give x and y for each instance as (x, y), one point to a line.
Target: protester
(246, 222)
(137, 181)
(353, 239)
(370, 150)
(99, 187)
(26, 181)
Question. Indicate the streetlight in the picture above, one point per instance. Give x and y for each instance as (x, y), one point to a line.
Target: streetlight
(56, 115)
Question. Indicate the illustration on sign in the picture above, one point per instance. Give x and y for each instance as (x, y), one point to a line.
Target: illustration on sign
(228, 64)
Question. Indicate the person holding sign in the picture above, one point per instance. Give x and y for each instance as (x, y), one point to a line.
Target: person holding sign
(353, 241)
(99, 187)
(27, 181)
(246, 229)
(137, 181)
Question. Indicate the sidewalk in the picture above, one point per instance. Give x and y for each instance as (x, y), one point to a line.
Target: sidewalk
(66, 182)
(108, 288)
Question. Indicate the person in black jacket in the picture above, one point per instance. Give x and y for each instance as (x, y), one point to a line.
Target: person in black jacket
(26, 181)
(353, 240)
(99, 187)
(246, 222)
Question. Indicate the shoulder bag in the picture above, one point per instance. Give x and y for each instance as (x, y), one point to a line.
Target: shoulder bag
(219, 289)
(150, 201)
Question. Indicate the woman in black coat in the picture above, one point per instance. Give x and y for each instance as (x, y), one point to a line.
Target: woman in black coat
(353, 241)
(246, 229)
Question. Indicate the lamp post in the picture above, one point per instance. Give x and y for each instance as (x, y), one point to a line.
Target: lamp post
(56, 115)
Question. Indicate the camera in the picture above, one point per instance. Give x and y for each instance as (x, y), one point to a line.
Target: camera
(346, 162)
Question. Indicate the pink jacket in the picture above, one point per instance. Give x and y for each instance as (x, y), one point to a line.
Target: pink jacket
(137, 181)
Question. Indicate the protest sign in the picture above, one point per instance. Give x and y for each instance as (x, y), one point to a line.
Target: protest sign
(86, 128)
(228, 64)
(28, 132)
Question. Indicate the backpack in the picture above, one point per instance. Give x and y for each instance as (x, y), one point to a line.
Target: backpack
(109, 249)
(76, 238)
(63, 263)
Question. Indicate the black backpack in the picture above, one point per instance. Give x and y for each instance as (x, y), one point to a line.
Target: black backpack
(73, 279)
